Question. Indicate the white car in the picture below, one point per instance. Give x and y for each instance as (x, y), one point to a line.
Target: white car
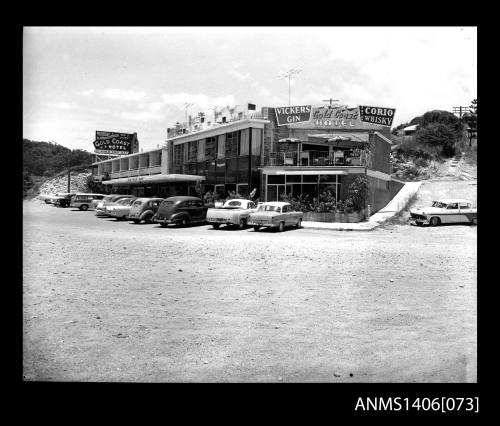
(233, 212)
(120, 209)
(275, 215)
(446, 210)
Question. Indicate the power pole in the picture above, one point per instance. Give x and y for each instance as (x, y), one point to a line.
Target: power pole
(69, 172)
(460, 110)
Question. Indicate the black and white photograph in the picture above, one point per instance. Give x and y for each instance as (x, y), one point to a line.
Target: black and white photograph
(258, 204)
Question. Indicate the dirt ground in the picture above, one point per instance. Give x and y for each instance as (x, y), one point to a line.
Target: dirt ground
(108, 300)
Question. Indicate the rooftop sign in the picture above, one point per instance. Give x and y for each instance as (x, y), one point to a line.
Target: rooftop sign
(293, 114)
(115, 143)
(377, 115)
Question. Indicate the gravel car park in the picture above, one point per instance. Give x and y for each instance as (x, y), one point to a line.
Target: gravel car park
(391, 305)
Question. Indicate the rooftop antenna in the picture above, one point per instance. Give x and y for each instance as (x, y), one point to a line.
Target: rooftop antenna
(330, 100)
(291, 72)
(186, 106)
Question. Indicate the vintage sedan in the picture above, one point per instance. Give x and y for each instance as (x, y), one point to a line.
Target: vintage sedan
(121, 209)
(143, 209)
(446, 210)
(181, 211)
(109, 200)
(63, 200)
(275, 215)
(233, 212)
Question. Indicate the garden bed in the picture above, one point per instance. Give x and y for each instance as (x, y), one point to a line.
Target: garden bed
(334, 217)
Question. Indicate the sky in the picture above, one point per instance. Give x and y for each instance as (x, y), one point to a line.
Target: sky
(77, 80)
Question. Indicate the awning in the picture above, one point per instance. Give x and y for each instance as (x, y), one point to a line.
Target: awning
(158, 178)
(309, 172)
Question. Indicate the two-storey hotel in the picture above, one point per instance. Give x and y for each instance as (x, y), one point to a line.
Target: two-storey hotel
(252, 150)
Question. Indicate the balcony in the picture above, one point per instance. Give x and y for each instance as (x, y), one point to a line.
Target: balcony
(314, 159)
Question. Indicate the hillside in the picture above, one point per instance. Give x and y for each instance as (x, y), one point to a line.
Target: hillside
(43, 161)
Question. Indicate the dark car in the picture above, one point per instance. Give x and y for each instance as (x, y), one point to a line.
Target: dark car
(144, 209)
(181, 211)
(63, 200)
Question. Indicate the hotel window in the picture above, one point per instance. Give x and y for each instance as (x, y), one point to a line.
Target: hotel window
(256, 141)
(185, 152)
(192, 151)
(221, 146)
(210, 148)
(232, 140)
(201, 150)
(244, 142)
(177, 155)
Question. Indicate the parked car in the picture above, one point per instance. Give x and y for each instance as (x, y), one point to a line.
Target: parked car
(181, 211)
(275, 215)
(233, 212)
(46, 198)
(109, 200)
(83, 201)
(96, 203)
(120, 209)
(446, 210)
(143, 209)
(62, 200)
(49, 199)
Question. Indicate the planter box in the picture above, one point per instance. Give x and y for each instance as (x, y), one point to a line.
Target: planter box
(334, 217)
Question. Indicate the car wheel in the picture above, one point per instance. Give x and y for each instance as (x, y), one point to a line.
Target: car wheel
(148, 218)
(163, 225)
(299, 224)
(281, 226)
(242, 224)
(474, 221)
(419, 223)
(256, 228)
(215, 225)
(435, 221)
(137, 220)
(84, 207)
(182, 222)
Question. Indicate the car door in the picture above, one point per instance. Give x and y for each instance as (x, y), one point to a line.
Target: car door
(452, 214)
(465, 211)
(199, 210)
(286, 215)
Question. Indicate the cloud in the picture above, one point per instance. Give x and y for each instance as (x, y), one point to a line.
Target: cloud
(88, 92)
(124, 94)
(64, 105)
(141, 116)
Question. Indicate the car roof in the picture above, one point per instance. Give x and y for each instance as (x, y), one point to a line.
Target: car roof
(275, 203)
(182, 198)
(242, 200)
(453, 200)
(148, 198)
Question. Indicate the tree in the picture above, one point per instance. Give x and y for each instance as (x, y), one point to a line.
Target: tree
(439, 135)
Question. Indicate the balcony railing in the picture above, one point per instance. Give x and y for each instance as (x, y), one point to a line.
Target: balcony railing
(313, 159)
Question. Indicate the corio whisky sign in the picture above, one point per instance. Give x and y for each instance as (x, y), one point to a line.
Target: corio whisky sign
(377, 115)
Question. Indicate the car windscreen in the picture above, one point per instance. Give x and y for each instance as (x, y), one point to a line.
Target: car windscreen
(125, 202)
(270, 208)
(137, 203)
(234, 204)
(167, 203)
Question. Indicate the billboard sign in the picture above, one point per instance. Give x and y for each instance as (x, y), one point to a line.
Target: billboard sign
(115, 143)
(377, 115)
(293, 114)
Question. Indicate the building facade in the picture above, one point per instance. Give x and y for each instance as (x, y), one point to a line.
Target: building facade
(256, 151)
